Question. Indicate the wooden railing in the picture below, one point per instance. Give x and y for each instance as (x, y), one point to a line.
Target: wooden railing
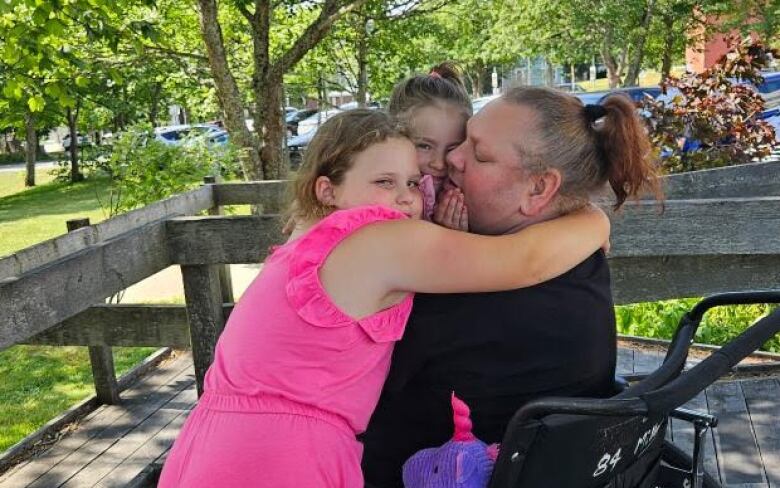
(720, 231)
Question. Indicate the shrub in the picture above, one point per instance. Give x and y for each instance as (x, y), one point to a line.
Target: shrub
(659, 320)
(144, 170)
(716, 110)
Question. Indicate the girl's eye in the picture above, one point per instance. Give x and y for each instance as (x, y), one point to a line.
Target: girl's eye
(414, 184)
(424, 146)
(384, 183)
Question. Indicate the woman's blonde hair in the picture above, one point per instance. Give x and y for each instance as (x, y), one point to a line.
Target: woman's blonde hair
(331, 153)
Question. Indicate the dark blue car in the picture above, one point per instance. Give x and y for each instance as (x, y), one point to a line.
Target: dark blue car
(636, 93)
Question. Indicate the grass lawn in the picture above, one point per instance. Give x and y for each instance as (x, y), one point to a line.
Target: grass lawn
(29, 216)
(40, 382)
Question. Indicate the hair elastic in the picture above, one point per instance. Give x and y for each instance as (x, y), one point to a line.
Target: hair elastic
(594, 112)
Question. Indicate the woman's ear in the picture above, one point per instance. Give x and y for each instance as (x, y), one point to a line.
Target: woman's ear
(325, 191)
(540, 191)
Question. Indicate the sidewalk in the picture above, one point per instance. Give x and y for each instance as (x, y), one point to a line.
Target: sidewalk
(21, 166)
(166, 286)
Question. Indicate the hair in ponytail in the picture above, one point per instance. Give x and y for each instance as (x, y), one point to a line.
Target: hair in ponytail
(590, 145)
(442, 85)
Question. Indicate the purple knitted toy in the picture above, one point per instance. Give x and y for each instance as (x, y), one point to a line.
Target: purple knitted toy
(463, 462)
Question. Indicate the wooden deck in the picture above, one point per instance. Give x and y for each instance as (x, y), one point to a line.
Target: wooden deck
(125, 445)
(117, 445)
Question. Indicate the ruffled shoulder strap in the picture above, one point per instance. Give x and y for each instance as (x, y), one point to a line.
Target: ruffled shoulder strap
(306, 293)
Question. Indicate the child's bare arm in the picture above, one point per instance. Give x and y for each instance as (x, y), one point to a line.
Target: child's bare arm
(417, 256)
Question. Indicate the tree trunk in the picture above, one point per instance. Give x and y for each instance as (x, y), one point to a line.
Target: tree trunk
(666, 63)
(610, 62)
(73, 116)
(227, 91)
(362, 88)
(632, 74)
(476, 86)
(154, 109)
(549, 73)
(31, 149)
(270, 118)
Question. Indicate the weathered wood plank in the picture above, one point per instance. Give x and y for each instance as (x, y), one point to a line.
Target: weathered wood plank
(272, 195)
(647, 361)
(126, 447)
(746, 180)
(225, 279)
(76, 460)
(101, 359)
(625, 361)
(204, 314)
(104, 425)
(736, 446)
(51, 250)
(41, 298)
(698, 227)
(682, 433)
(643, 279)
(147, 455)
(123, 325)
(219, 240)
(763, 403)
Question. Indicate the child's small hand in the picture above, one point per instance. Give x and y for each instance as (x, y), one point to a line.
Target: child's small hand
(451, 211)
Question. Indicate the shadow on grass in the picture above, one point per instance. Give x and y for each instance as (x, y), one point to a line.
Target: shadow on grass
(55, 198)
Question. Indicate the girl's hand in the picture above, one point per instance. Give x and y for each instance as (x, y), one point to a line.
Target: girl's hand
(451, 211)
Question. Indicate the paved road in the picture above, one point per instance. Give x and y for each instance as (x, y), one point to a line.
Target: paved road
(20, 167)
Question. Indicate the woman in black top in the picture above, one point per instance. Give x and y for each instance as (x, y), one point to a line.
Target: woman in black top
(531, 155)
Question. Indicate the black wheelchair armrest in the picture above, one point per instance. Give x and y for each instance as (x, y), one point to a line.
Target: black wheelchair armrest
(620, 384)
(693, 417)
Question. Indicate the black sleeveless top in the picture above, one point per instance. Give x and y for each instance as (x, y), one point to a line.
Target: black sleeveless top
(496, 351)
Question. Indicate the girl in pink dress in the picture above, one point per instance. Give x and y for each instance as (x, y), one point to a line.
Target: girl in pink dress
(300, 365)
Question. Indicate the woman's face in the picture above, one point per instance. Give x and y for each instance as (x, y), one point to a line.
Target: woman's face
(383, 174)
(436, 130)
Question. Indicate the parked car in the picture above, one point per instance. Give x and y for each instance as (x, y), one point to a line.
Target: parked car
(82, 140)
(175, 135)
(312, 122)
(294, 118)
(478, 103)
(636, 93)
(568, 87)
(297, 144)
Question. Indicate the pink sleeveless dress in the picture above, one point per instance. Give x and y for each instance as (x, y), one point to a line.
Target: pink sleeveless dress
(294, 378)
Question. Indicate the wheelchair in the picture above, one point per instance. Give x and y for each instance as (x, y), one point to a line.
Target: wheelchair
(619, 442)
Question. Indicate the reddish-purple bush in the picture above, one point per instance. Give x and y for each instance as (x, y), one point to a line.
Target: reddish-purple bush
(709, 119)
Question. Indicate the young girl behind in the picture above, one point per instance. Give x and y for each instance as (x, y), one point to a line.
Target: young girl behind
(301, 362)
(435, 108)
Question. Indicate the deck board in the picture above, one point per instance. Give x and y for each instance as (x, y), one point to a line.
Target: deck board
(120, 445)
